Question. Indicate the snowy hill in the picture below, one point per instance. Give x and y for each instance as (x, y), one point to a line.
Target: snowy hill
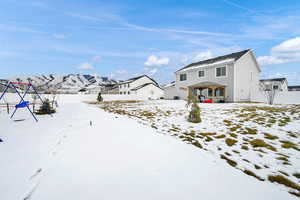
(65, 83)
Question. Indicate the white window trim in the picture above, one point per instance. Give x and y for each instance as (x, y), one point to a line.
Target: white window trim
(221, 76)
(203, 73)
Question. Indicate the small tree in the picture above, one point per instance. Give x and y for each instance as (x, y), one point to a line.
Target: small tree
(45, 108)
(194, 114)
(99, 98)
(270, 91)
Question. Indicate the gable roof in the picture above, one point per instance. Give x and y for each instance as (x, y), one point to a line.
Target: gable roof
(144, 85)
(138, 77)
(235, 56)
(274, 79)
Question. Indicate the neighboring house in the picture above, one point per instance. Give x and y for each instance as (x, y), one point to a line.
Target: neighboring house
(294, 88)
(110, 89)
(170, 91)
(279, 84)
(231, 78)
(143, 86)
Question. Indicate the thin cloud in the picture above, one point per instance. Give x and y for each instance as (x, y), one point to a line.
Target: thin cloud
(85, 66)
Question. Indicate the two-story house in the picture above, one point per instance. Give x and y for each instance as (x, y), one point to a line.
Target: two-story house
(231, 78)
(141, 86)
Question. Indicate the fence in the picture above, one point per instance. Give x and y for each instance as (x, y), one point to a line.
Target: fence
(288, 97)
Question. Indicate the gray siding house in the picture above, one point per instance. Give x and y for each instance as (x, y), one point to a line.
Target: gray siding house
(231, 78)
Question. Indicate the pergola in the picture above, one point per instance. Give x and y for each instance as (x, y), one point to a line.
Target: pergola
(213, 87)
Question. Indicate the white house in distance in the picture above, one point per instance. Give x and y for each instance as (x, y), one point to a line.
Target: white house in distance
(280, 84)
(229, 78)
(142, 86)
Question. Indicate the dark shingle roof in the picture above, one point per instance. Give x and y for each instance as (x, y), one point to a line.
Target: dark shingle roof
(294, 87)
(234, 56)
(144, 85)
(274, 79)
(138, 77)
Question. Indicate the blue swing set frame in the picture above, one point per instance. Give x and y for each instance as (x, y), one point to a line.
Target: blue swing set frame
(22, 103)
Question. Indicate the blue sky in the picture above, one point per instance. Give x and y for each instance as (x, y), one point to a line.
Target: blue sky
(121, 39)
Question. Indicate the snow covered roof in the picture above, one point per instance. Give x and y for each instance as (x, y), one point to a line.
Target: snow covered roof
(136, 78)
(274, 79)
(144, 85)
(217, 60)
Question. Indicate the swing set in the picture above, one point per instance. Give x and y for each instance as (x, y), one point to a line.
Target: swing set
(16, 86)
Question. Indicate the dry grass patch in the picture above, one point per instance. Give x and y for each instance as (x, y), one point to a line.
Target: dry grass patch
(220, 136)
(229, 161)
(270, 137)
(297, 175)
(230, 142)
(284, 181)
(288, 145)
(250, 173)
(260, 143)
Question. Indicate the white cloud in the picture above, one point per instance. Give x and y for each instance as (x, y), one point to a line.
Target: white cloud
(291, 45)
(59, 36)
(154, 61)
(86, 66)
(96, 58)
(203, 56)
(269, 60)
(285, 52)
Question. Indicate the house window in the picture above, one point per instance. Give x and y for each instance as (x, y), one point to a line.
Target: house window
(183, 77)
(201, 73)
(275, 87)
(220, 71)
(128, 92)
(219, 92)
(210, 92)
(128, 85)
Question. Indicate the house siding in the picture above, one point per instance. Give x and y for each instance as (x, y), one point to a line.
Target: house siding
(246, 85)
(210, 76)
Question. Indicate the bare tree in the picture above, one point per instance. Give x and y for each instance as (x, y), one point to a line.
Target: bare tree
(270, 91)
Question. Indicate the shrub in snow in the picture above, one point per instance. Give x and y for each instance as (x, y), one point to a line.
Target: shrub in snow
(45, 108)
(99, 98)
(194, 115)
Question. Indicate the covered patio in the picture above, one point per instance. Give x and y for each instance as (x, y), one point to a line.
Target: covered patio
(208, 91)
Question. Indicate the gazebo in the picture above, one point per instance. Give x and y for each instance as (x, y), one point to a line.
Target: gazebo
(208, 90)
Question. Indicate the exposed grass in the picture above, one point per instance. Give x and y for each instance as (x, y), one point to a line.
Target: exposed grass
(257, 167)
(220, 136)
(245, 147)
(288, 145)
(233, 135)
(297, 175)
(250, 173)
(260, 143)
(284, 181)
(270, 137)
(250, 131)
(230, 142)
(282, 158)
(284, 173)
(229, 161)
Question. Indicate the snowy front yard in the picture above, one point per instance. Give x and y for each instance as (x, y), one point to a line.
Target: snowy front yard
(120, 158)
(259, 140)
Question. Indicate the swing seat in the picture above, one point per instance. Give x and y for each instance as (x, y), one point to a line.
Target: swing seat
(22, 104)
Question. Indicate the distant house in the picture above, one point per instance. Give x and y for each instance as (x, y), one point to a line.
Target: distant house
(142, 86)
(231, 78)
(294, 88)
(110, 89)
(280, 84)
(170, 91)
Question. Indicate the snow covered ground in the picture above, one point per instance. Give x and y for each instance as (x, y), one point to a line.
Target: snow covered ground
(120, 158)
